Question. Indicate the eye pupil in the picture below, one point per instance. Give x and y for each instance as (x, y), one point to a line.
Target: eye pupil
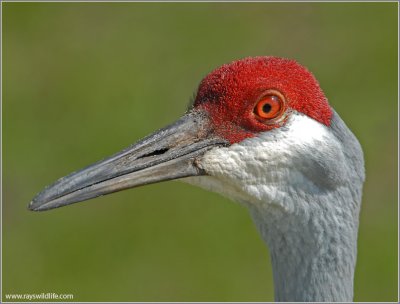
(266, 108)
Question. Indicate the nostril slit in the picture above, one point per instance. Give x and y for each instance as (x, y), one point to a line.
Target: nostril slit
(154, 153)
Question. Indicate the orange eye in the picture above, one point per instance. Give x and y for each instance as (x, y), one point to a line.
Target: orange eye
(269, 107)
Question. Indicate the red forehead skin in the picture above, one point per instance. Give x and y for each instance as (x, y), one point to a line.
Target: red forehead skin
(230, 92)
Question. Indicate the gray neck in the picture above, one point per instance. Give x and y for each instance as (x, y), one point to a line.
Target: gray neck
(312, 234)
(313, 256)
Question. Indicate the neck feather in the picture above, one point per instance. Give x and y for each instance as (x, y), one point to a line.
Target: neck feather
(313, 255)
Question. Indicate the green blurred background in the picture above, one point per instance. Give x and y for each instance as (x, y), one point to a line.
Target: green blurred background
(83, 80)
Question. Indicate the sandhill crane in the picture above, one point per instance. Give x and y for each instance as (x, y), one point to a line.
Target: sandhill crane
(260, 131)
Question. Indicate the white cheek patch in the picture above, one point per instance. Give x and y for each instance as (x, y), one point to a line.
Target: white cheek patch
(301, 156)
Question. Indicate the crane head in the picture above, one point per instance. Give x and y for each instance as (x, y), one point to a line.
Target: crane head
(257, 94)
(259, 128)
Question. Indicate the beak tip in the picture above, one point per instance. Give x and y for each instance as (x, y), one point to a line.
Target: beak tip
(37, 204)
(33, 206)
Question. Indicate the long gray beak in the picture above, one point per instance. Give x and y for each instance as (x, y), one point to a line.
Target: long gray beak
(167, 154)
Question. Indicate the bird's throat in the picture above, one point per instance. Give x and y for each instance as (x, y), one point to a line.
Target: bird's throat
(313, 257)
